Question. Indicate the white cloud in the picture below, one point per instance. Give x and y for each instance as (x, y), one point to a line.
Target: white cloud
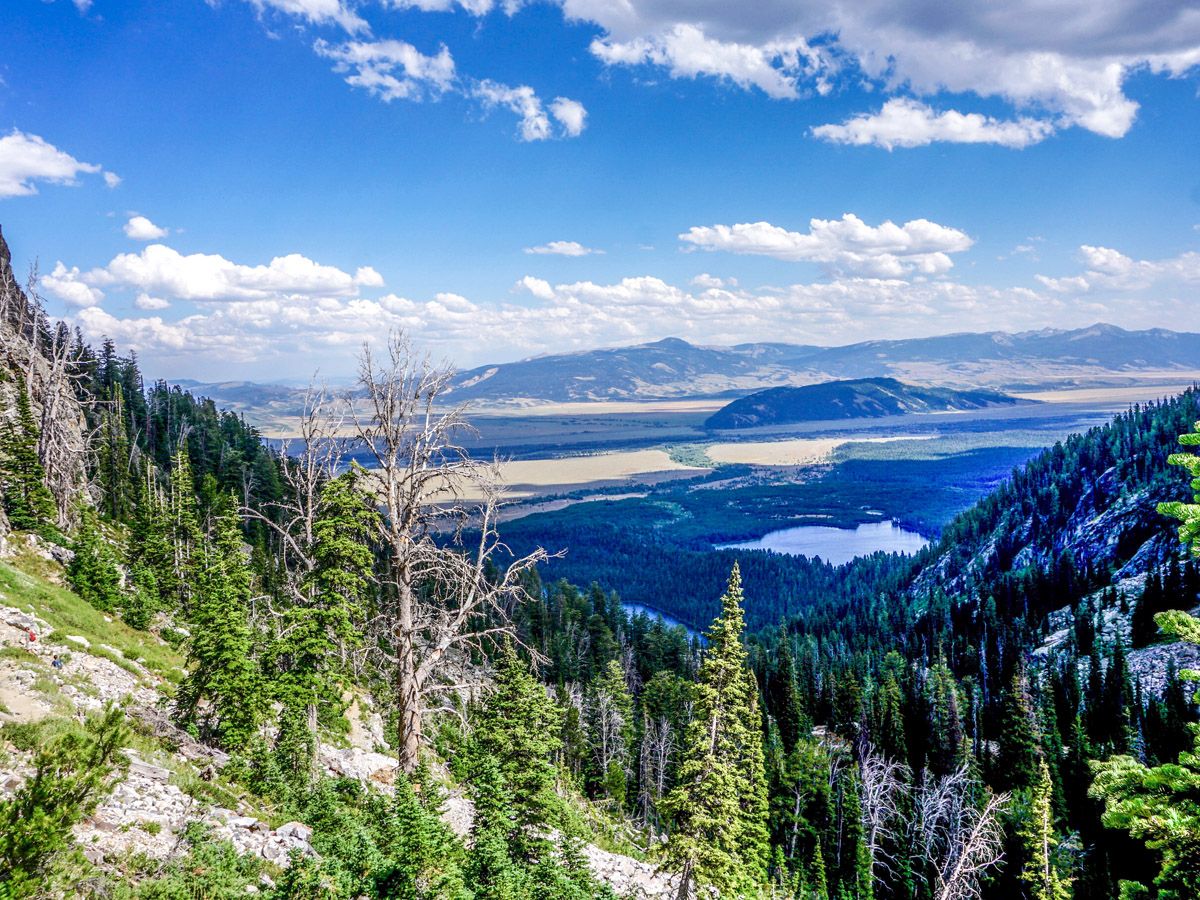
(83, 6)
(686, 51)
(845, 244)
(139, 228)
(570, 115)
(146, 302)
(474, 7)
(112, 179)
(391, 69)
(67, 285)
(1110, 272)
(365, 276)
(396, 70)
(535, 122)
(1073, 70)
(26, 159)
(537, 287)
(562, 248)
(704, 280)
(909, 123)
(317, 12)
(298, 331)
(162, 272)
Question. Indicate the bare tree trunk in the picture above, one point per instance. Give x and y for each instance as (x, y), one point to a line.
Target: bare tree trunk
(446, 601)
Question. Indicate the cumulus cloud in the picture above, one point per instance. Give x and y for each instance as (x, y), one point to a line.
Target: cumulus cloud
(163, 272)
(909, 123)
(280, 329)
(139, 228)
(26, 159)
(570, 114)
(316, 12)
(562, 248)
(1075, 71)
(474, 7)
(112, 179)
(1109, 271)
(845, 244)
(146, 302)
(67, 285)
(396, 70)
(391, 69)
(535, 122)
(686, 51)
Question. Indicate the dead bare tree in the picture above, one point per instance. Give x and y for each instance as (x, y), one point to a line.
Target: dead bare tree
(654, 759)
(293, 519)
(444, 597)
(960, 839)
(883, 785)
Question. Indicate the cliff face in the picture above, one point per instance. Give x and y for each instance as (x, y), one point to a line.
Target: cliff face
(34, 357)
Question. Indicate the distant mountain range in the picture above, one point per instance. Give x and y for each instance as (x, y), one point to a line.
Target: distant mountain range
(674, 369)
(861, 398)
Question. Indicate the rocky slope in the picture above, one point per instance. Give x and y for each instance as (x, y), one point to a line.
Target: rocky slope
(32, 358)
(172, 780)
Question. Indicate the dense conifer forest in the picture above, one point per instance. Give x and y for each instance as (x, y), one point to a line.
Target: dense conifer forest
(1005, 715)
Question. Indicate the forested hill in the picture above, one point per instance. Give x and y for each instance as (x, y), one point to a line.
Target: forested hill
(855, 399)
(1091, 498)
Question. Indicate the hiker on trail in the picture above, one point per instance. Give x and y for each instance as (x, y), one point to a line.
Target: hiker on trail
(56, 662)
(32, 640)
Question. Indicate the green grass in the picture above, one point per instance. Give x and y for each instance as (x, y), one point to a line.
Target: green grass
(691, 455)
(26, 583)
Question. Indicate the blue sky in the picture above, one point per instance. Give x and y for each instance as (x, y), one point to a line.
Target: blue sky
(251, 188)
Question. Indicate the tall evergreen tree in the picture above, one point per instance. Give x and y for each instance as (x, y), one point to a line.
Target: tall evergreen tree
(319, 624)
(719, 807)
(27, 501)
(1018, 750)
(519, 727)
(92, 571)
(223, 692)
(1040, 874)
(783, 699)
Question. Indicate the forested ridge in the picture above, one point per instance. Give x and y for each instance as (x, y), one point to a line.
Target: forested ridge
(1006, 715)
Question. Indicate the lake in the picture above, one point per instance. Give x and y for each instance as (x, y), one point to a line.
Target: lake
(670, 621)
(836, 545)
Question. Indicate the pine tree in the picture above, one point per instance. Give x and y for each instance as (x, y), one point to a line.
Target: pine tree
(490, 865)
(223, 692)
(1018, 751)
(92, 572)
(719, 807)
(782, 697)
(27, 501)
(72, 774)
(519, 728)
(322, 621)
(1188, 514)
(113, 456)
(183, 525)
(945, 721)
(1040, 874)
(421, 858)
